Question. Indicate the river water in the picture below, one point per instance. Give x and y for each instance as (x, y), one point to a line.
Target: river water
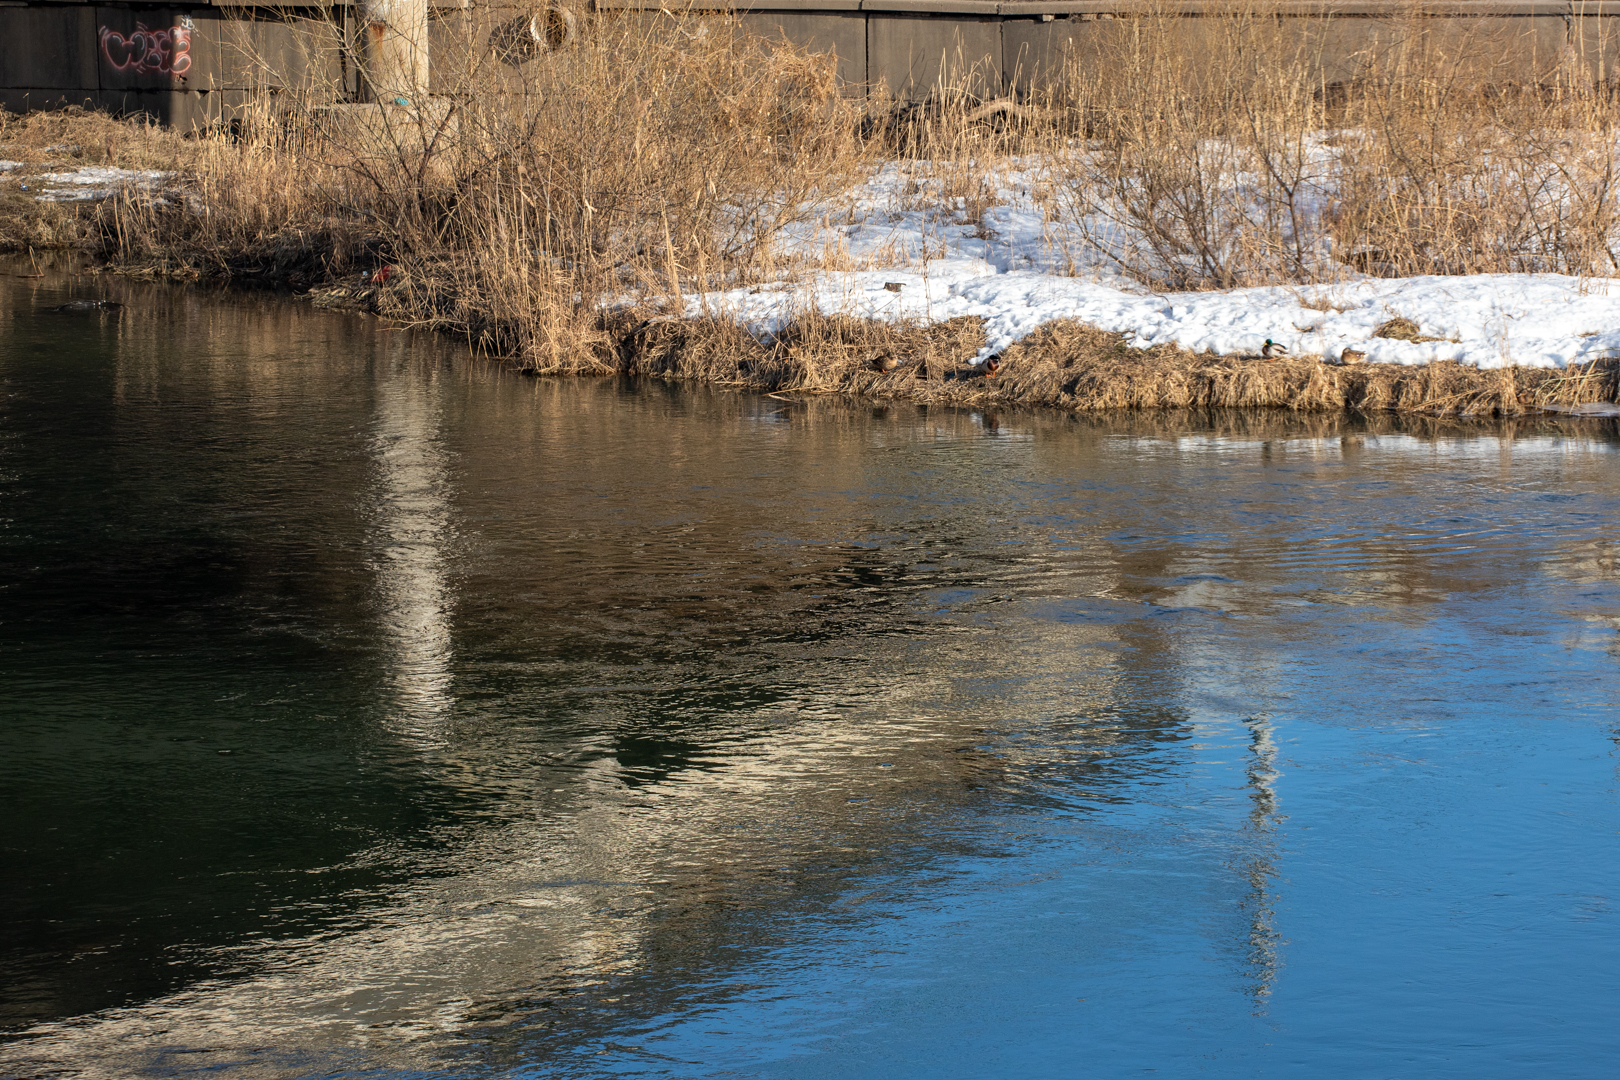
(370, 710)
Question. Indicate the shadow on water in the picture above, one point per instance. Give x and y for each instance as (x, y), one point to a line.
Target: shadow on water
(368, 706)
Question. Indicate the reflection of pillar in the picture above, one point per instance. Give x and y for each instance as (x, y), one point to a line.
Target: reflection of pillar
(394, 49)
(411, 526)
(1261, 866)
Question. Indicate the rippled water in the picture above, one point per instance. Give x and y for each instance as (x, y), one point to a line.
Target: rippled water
(370, 710)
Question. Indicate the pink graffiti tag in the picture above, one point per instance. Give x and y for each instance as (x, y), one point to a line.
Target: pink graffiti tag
(148, 52)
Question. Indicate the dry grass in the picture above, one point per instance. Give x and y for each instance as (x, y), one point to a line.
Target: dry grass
(1071, 366)
(559, 213)
(67, 140)
(813, 353)
(1086, 369)
(1244, 149)
(76, 136)
(649, 159)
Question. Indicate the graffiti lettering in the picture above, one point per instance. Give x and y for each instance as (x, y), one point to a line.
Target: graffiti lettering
(148, 52)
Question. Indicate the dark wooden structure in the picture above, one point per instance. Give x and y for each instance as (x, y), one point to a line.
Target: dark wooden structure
(192, 64)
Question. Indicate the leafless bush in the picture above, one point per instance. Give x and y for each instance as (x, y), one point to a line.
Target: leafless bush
(637, 158)
(1238, 149)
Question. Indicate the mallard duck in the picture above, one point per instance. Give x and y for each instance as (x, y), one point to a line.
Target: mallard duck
(991, 366)
(1271, 350)
(886, 364)
(1352, 356)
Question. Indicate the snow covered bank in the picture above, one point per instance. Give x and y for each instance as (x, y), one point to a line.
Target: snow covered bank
(1486, 321)
(895, 253)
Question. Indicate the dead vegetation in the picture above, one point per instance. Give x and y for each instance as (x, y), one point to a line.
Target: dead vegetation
(1244, 149)
(1094, 371)
(63, 140)
(562, 216)
(1071, 366)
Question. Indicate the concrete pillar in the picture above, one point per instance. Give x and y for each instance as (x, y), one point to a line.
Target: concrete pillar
(394, 50)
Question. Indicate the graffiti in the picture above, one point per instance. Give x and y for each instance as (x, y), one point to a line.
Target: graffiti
(148, 52)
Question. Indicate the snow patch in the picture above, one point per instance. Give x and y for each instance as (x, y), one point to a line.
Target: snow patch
(94, 182)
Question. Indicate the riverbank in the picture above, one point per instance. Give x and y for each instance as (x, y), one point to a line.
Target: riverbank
(1076, 367)
(717, 211)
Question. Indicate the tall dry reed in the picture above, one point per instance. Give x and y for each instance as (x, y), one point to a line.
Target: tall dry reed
(643, 158)
(1242, 148)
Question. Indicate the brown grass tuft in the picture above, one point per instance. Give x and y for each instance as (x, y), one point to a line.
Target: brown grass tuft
(65, 140)
(814, 353)
(1401, 328)
(1091, 370)
(1075, 367)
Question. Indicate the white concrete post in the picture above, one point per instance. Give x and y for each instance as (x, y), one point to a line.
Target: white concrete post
(394, 50)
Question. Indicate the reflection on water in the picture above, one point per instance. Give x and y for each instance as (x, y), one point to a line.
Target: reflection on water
(412, 524)
(371, 709)
(1261, 866)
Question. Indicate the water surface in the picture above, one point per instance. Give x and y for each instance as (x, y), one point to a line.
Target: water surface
(370, 710)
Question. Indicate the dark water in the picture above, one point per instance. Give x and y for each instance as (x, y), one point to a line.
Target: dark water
(370, 711)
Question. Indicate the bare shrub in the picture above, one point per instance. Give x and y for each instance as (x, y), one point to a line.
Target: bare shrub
(1201, 166)
(1445, 177)
(1236, 149)
(649, 157)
